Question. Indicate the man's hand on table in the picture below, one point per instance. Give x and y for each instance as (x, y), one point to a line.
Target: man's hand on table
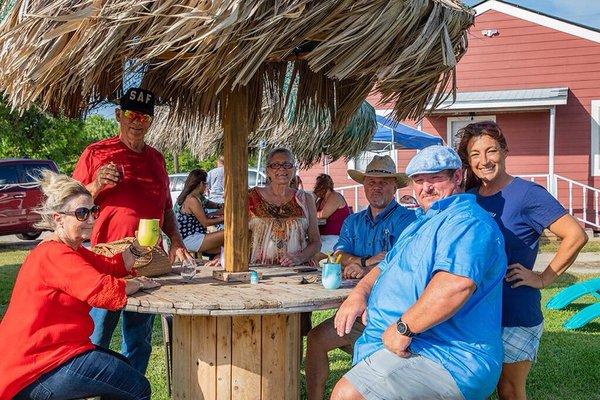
(353, 307)
(395, 342)
(354, 271)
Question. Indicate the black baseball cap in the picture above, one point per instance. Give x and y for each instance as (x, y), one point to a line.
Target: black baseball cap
(138, 99)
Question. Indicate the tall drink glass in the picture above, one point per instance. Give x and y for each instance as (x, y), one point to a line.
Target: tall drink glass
(148, 232)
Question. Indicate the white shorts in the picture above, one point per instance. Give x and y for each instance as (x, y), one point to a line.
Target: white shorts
(193, 242)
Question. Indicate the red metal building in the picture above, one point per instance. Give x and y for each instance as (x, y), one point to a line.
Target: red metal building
(538, 77)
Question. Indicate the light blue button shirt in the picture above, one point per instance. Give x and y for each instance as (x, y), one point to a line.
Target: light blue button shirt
(361, 235)
(459, 237)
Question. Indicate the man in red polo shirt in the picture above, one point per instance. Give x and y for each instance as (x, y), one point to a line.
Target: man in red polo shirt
(129, 181)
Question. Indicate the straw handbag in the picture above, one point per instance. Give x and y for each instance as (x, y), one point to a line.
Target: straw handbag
(153, 264)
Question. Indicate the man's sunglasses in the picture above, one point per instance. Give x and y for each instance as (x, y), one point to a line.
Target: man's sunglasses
(133, 115)
(285, 165)
(83, 213)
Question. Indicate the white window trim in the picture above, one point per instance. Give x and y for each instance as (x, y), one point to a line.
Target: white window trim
(543, 20)
(595, 131)
(474, 118)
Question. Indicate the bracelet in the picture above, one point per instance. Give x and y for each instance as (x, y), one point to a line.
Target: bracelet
(541, 280)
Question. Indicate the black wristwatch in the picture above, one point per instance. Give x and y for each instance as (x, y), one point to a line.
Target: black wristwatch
(403, 329)
(363, 261)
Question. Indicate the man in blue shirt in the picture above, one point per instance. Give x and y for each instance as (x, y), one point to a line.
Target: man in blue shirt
(432, 308)
(364, 240)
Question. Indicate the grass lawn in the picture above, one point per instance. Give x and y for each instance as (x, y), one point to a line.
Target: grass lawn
(568, 366)
(593, 246)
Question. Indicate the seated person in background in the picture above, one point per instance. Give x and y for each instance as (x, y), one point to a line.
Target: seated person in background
(193, 220)
(433, 305)
(283, 221)
(45, 345)
(409, 202)
(365, 238)
(332, 207)
(296, 183)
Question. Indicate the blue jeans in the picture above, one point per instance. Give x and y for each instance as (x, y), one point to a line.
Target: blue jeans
(136, 334)
(98, 372)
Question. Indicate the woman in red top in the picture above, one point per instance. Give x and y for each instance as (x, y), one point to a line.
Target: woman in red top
(332, 207)
(44, 336)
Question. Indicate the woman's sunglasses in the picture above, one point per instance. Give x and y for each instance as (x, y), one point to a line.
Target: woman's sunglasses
(83, 213)
(133, 115)
(285, 165)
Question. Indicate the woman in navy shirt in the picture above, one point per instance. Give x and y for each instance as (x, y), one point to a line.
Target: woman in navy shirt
(523, 210)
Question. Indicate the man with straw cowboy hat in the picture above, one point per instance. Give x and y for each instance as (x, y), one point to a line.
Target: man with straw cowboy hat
(364, 239)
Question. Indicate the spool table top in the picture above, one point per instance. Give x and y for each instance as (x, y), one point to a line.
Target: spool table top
(278, 292)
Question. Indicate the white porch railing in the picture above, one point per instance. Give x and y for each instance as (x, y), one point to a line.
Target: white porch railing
(581, 200)
(354, 190)
(584, 208)
(540, 179)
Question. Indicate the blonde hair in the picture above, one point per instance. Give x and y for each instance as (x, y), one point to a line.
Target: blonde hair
(58, 190)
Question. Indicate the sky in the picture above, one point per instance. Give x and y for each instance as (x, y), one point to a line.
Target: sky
(586, 12)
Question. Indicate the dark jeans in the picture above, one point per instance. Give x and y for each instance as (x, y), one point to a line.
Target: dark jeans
(136, 334)
(98, 372)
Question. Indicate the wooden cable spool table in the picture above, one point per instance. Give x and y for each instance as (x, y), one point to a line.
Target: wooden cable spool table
(237, 340)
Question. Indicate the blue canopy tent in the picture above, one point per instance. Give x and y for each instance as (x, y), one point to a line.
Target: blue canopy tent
(395, 135)
(392, 135)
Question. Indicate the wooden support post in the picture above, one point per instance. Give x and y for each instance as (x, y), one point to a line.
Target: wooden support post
(236, 127)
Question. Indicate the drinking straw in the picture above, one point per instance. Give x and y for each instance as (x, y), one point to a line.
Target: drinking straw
(338, 258)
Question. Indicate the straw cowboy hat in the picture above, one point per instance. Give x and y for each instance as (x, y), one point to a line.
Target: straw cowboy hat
(380, 167)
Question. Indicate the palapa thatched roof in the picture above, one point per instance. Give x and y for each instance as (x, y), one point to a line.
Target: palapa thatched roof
(65, 54)
(307, 143)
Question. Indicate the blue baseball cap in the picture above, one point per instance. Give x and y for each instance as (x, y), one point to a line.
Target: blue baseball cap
(433, 159)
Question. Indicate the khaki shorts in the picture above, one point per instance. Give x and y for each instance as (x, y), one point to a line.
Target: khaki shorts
(385, 376)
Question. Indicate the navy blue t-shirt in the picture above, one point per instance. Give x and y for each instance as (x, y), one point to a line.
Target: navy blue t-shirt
(522, 210)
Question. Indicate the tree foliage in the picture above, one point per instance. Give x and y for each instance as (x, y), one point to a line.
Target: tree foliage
(35, 134)
(39, 135)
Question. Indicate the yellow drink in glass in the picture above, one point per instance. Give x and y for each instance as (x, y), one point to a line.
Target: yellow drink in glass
(148, 232)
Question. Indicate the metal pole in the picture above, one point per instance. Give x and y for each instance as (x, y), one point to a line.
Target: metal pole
(551, 140)
(258, 161)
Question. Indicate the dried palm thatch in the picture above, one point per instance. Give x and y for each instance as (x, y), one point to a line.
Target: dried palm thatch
(66, 54)
(307, 143)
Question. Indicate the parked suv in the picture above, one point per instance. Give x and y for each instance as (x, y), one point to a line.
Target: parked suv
(20, 195)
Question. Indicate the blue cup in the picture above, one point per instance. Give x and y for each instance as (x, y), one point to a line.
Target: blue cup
(331, 276)
(253, 277)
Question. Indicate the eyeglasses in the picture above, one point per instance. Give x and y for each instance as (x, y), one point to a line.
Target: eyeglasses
(285, 165)
(133, 115)
(83, 213)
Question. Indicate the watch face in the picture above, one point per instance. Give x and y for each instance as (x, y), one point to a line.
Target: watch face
(401, 327)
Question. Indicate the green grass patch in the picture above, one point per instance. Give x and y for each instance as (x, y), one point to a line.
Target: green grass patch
(568, 364)
(593, 246)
